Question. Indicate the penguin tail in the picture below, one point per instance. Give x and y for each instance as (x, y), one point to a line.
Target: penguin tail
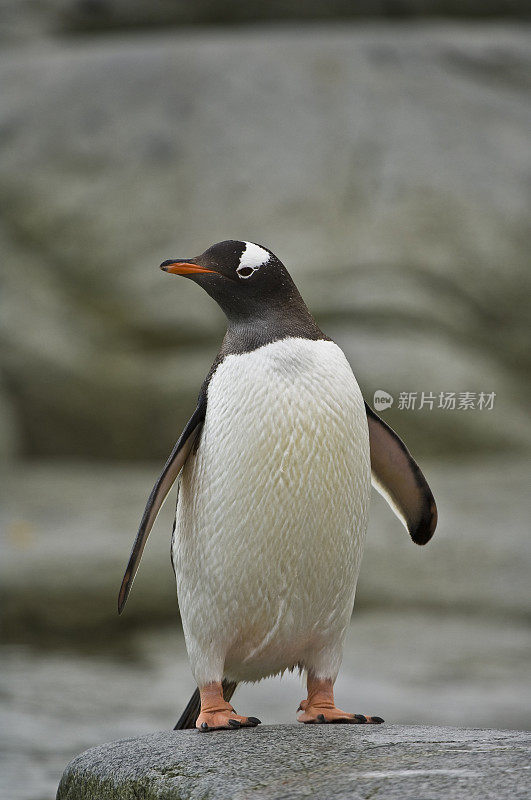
(190, 714)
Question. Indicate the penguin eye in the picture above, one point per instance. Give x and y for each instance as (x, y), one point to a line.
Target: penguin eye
(246, 272)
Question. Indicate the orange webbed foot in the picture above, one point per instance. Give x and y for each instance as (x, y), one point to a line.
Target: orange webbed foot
(216, 714)
(320, 715)
(224, 719)
(319, 708)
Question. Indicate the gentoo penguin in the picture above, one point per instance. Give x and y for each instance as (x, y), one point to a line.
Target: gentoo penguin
(275, 471)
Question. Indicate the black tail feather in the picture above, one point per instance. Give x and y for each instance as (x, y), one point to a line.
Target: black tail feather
(190, 714)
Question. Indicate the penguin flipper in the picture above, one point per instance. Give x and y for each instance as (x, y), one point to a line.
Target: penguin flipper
(398, 478)
(171, 470)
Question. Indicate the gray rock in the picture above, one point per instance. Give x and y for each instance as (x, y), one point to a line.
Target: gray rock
(294, 761)
(386, 165)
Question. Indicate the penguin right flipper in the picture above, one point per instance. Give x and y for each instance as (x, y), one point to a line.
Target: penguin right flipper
(399, 479)
(171, 470)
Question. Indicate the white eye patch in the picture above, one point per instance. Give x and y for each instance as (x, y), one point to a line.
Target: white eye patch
(252, 258)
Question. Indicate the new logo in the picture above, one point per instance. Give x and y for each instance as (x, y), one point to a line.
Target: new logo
(382, 400)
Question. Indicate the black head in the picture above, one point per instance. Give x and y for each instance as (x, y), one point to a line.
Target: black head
(249, 283)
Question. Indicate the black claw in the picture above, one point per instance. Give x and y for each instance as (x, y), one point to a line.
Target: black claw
(254, 721)
(204, 726)
(361, 718)
(377, 720)
(235, 723)
(321, 718)
(299, 709)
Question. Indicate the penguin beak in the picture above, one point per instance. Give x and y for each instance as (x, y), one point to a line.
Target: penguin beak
(183, 267)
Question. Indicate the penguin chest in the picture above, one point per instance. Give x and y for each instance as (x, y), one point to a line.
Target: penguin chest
(273, 505)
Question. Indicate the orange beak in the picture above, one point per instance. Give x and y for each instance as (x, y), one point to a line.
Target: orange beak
(183, 268)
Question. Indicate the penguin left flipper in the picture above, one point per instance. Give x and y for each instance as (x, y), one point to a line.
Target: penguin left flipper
(167, 478)
(399, 479)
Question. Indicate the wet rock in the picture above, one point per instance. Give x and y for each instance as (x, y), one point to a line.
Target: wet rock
(386, 166)
(321, 761)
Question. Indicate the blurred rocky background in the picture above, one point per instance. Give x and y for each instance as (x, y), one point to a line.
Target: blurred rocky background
(388, 166)
(381, 149)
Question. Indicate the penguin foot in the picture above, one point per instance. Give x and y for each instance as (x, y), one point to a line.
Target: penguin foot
(319, 715)
(216, 714)
(224, 720)
(319, 708)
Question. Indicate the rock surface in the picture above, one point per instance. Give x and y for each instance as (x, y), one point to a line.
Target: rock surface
(293, 761)
(386, 165)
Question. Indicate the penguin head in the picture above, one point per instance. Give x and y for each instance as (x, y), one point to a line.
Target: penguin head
(244, 278)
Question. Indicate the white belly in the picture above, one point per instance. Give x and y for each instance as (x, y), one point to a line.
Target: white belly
(272, 514)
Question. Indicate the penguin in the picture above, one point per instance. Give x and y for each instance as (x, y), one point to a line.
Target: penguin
(275, 468)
